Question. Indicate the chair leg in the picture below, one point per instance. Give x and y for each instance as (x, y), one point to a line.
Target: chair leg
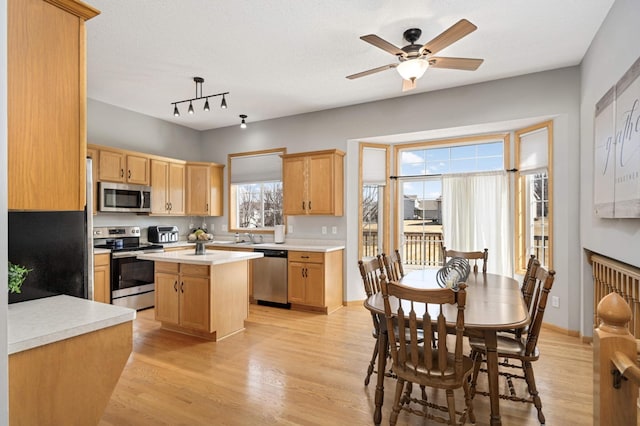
(451, 404)
(406, 397)
(396, 402)
(531, 383)
(468, 401)
(477, 362)
(371, 364)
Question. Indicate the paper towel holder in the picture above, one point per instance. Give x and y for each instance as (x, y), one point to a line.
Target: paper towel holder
(278, 234)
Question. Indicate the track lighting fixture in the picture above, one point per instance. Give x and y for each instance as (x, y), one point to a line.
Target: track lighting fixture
(199, 81)
(243, 124)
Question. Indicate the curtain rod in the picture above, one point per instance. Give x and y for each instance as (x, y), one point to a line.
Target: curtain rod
(434, 175)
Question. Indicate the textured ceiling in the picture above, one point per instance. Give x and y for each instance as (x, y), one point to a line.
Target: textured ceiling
(286, 57)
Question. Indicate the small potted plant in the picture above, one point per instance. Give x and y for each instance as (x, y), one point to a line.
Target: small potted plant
(17, 275)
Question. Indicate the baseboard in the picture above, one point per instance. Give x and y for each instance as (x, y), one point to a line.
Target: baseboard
(561, 330)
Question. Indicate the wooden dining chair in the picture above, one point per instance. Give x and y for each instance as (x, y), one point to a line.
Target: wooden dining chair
(410, 312)
(476, 256)
(519, 352)
(370, 271)
(393, 265)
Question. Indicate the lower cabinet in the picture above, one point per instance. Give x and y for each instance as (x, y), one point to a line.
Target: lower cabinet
(315, 280)
(209, 301)
(102, 277)
(182, 295)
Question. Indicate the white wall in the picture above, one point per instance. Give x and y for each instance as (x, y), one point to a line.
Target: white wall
(4, 392)
(554, 93)
(615, 47)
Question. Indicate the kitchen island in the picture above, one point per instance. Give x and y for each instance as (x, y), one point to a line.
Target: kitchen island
(66, 355)
(205, 295)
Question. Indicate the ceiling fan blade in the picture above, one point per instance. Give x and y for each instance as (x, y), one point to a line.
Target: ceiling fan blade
(383, 44)
(449, 36)
(467, 64)
(408, 85)
(371, 71)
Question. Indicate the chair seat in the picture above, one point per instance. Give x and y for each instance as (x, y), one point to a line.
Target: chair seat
(509, 347)
(428, 377)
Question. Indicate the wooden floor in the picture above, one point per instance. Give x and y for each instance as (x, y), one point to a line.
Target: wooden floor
(294, 368)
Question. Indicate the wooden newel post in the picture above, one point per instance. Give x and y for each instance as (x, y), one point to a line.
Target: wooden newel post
(613, 406)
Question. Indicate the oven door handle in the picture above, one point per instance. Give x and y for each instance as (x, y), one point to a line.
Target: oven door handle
(125, 254)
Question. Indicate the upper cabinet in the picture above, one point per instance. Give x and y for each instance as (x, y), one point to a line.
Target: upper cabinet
(46, 103)
(313, 183)
(168, 187)
(204, 189)
(120, 166)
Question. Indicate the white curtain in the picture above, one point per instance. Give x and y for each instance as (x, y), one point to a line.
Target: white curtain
(475, 216)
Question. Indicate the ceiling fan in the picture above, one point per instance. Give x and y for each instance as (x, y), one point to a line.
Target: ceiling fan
(414, 59)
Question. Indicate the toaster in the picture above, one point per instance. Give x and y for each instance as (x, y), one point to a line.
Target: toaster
(163, 234)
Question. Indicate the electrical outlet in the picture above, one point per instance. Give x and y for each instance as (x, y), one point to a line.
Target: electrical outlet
(224, 228)
(334, 230)
(213, 228)
(290, 229)
(555, 301)
(324, 230)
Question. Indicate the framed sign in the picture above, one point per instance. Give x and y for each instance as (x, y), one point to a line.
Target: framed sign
(617, 149)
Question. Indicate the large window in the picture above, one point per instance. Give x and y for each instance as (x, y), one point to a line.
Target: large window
(419, 196)
(534, 195)
(255, 190)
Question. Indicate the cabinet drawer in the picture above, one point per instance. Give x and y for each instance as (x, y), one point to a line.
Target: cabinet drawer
(101, 259)
(168, 267)
(306, 256)
(200, 270)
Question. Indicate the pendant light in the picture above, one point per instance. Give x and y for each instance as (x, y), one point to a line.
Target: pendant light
(243, 124)
(199, 81)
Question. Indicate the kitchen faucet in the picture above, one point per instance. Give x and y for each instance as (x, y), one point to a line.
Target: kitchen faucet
(250, 235)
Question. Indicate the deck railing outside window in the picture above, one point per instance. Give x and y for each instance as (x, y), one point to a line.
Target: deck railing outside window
(420, 248)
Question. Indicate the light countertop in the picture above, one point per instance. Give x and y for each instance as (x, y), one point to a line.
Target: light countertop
(301, 245)
(101, 251)
(211, 257)
(42, 321)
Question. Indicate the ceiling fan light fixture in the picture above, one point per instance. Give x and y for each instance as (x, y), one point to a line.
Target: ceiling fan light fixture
(412, 69)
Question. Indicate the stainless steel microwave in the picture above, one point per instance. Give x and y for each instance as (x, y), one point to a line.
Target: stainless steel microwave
(122, 197)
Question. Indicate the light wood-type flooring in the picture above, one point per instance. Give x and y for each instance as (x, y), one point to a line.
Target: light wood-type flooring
(295, 368)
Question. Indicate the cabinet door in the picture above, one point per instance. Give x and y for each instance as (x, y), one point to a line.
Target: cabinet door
(194, 303)
(198, 177)
(293, 186)
(111, 167)
(167, 297)
(137, 169)
(101, 280)
(216, 190)
(176, 188)
(45, 105)
(320, 184)
(297, 282)
(314, 287)
(159, 178)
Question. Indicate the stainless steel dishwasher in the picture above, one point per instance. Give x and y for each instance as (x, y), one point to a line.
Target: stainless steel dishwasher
(270, 285)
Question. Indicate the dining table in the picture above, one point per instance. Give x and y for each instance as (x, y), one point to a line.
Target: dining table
(494, 304)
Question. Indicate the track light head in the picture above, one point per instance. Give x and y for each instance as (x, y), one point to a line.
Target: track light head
(206, 105)
(223, 104)
(190, 110)
(243, 123)
(176, 113)
(199, 81)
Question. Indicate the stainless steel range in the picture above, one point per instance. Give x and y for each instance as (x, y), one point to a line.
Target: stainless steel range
(132, 279)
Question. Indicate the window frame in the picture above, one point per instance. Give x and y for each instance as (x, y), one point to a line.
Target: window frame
(522, 205)
(386, 198)
(442, 143)
(232, 195)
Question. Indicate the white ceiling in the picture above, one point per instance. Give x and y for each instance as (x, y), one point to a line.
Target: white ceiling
(286, 57)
